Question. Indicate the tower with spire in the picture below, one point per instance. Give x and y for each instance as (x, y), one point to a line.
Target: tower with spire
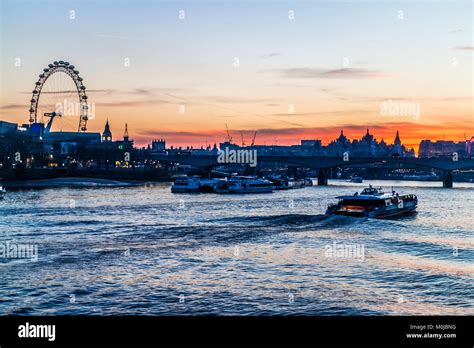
(342, 138)
(397, 141)
(125, 134)
(107, 134)
(369, 138)
(397, 145)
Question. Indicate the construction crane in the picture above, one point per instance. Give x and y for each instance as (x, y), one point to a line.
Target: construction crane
(253, 140)
(51, 115)
(229, 138)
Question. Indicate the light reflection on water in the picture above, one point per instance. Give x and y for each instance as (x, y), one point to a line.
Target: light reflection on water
(237, 254)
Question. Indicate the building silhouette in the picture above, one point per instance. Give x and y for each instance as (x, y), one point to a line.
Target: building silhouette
(445, 148)
(367, 146)
(106, 134)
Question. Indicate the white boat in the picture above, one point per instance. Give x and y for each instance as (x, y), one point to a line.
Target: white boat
(356, 179)
(2, 191)
(374, 203)
(183, 185)
(421, 176)
(280, 183)
(296, 183)
(195, 184)
(245, 184)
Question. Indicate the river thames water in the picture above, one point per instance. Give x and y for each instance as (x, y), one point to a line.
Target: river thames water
(142, 250)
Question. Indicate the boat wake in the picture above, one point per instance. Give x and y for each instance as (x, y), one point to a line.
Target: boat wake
(294, 219)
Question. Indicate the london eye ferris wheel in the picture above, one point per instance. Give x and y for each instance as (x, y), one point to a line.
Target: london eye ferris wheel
(60, 92)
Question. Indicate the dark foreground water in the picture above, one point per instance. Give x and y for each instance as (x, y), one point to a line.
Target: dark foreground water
(143, 250)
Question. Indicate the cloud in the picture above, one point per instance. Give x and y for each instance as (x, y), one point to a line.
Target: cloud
(415, 99)
(149, 96)
(155, 90)
(464, 48)
(270, 55)
(289, 85)
(134, 103)
(345, 73)
(100, 90)
(142, 91)
(13, 106)
(74, 91)
(322, 113)
(183, 138)
(223, 99)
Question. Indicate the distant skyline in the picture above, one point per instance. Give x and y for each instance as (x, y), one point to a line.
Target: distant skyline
(288, 70)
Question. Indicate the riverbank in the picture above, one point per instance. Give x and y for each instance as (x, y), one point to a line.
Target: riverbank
(114, 174)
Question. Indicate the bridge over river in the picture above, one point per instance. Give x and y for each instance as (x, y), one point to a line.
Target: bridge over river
(324, 164)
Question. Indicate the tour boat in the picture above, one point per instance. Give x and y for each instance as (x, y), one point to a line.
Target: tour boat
(296, 183)
(421, 176)
(374, 203)
(195, 184)
(286, 183)
(183, 185)
(245, 184)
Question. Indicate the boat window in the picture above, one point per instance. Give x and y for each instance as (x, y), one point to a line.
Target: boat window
(362, 202)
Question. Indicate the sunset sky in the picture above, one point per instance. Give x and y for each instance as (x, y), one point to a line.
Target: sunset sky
(250, 65)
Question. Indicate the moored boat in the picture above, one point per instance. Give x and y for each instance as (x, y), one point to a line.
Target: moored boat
(195, 184)
(374, 203)
(245, 184)
(185, 185)
(296, 183)
(356, 179)
(421, 176)
(279, 183)
(2, 191)
(308, 182)
(286, 183)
